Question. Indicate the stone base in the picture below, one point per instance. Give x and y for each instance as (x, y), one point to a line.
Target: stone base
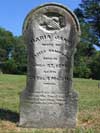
(52, 114)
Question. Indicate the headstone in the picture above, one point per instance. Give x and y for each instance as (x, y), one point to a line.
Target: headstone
(51, 33)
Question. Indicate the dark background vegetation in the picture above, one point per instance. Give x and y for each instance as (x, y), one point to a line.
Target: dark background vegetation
(13, 51)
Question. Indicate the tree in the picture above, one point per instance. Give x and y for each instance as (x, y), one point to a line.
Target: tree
(6, 43)
(95, 66)
(82, 70)
(85, 49)
(91, 14)
(12, 53)
(87, 62)
(19, 55)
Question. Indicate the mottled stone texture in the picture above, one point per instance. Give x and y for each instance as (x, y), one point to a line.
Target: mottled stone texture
(51, 33)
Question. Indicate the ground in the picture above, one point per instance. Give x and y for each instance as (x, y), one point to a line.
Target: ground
(88, 112)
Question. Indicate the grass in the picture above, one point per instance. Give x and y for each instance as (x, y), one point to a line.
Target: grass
(88, 114)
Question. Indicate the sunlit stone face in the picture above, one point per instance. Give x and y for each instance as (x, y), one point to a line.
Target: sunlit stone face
(51, 34)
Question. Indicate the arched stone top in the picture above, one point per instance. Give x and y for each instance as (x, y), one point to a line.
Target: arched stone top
(66, 9)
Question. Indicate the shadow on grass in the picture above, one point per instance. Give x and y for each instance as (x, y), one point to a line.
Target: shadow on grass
(9, 115)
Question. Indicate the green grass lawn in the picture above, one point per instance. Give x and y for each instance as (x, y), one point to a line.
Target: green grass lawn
(88, 114)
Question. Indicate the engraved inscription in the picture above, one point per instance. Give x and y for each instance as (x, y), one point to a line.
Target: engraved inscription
(46, 98)
(49, 37)
(50, 53)
(51, 78)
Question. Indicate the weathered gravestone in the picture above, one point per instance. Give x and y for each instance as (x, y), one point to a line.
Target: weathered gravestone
(51, 33)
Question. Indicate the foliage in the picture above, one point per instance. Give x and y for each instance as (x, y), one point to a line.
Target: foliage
(82, 70)
(10, 66)
(86, 53)
(12, 53)
(89, 14)
(19, 55)
(6, 43)
(95, 66)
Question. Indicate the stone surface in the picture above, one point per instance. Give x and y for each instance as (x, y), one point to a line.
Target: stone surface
(51, 33)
